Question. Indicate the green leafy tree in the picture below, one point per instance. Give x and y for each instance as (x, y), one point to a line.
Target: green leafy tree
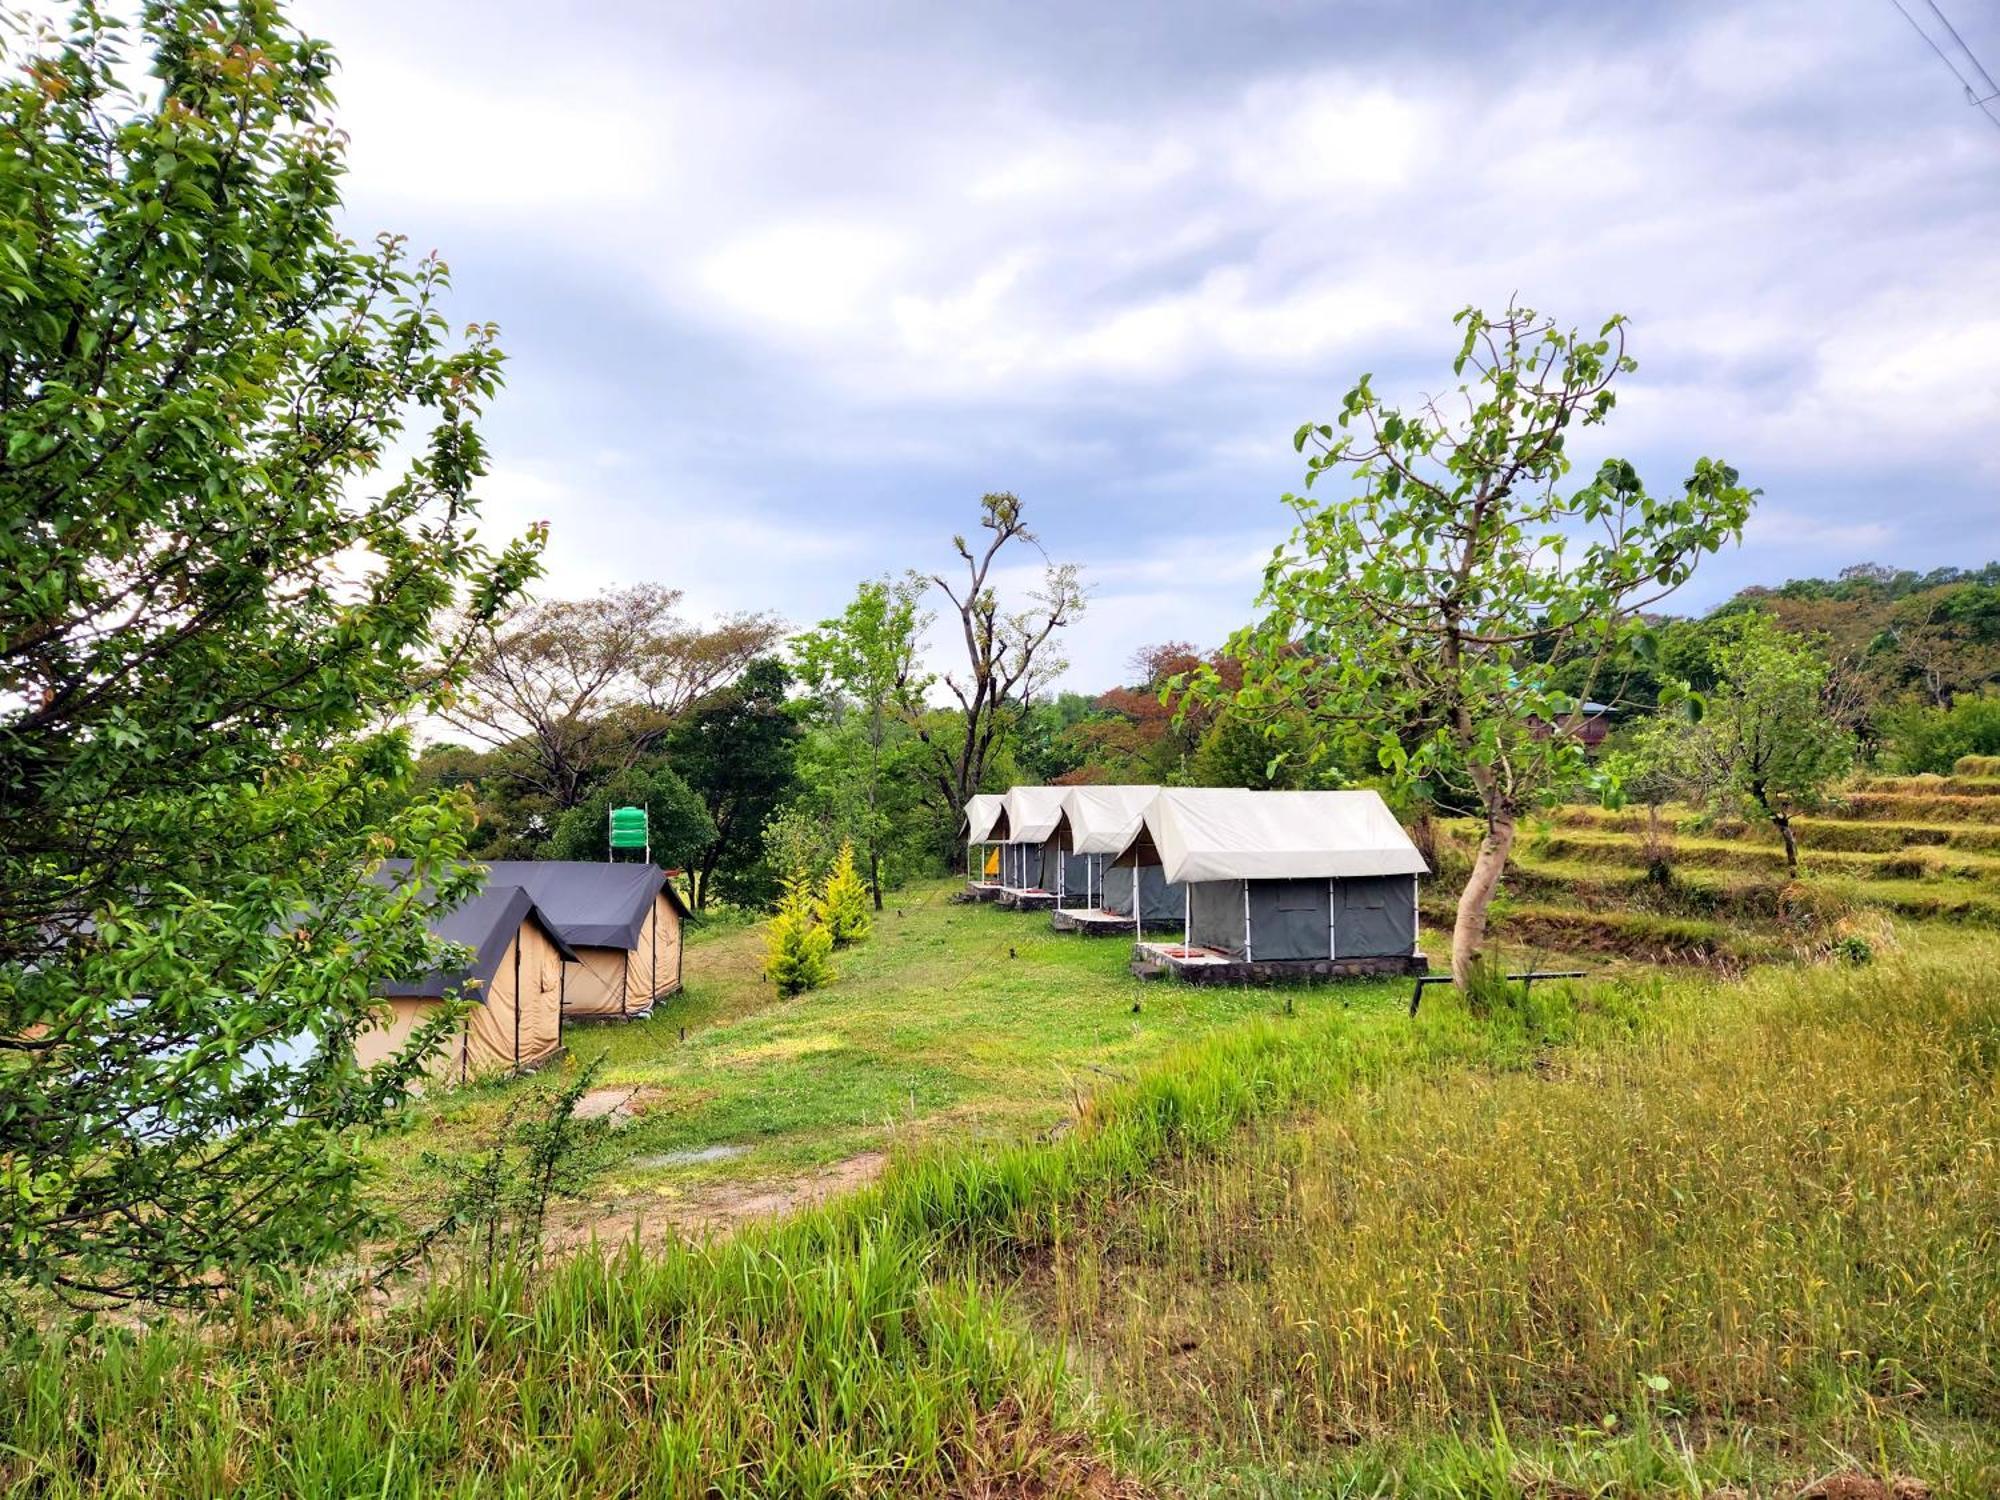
(868, 653)
(210, 603)
(736, 750)
(1765, 744)
(843, 901)
(677, 821)
(797, 944)
(1436, 607)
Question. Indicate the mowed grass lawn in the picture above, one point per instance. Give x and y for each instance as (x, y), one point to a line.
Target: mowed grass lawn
(953, 1019)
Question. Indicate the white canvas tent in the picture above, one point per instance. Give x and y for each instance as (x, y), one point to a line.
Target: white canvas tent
(985, 826)
(1028, 858)
(1285, 877)
(1098, 823)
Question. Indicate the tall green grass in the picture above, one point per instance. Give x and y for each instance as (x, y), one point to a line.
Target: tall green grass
(1340, 1247)
(1765, 1236)
(846, 1352)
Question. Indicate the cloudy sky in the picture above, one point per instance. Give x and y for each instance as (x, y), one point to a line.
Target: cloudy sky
(786, 288)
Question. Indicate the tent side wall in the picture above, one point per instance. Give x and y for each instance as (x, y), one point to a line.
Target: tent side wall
(597, 983)
(1160, 899)
(489, 1029)
(539, 1003)
(1114, 887)
(1375, 916)
(401, 1015)
(1290, 920)
(1077, 880)
(1215, 915)
(653, 967)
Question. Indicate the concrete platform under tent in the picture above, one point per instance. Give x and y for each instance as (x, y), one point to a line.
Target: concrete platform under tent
(1096, 922)
(979, 890)
(1026, 900)
(1197, 965)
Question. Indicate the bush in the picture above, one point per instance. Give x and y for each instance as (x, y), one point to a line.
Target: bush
(1976, 765)
(1919, 738)
(798, 945)
(843, 901)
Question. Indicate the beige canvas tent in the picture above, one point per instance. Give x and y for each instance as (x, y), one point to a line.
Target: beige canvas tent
(516, 978)
(623, 922)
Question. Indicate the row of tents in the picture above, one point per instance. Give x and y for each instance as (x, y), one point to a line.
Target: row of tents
(1257, 884)
(552, 941)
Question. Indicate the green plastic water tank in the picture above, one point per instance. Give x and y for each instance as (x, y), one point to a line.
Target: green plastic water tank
(628, 827)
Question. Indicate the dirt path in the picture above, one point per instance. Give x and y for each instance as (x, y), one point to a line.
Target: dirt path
(711, 1211)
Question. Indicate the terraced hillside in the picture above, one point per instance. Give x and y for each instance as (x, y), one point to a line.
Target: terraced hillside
(1674, 887)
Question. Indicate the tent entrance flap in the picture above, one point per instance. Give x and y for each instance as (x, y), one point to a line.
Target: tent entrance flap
(1375, 917)
(1290, 919)
(1214, 915)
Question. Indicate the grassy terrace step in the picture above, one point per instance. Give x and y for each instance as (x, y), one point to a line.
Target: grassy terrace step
(1908, 806)
(1958, 786)
(1621, 850)
(1647, 937)
(1826, 833)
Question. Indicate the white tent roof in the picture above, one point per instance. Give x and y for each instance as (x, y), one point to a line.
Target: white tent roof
(981, 813)
(1032, 812)
(1226, 833)
(1104, 819)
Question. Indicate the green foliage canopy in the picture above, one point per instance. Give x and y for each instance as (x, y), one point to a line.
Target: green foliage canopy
(677, 820)
(1764, 743)
(1434, 607)
(208, 606)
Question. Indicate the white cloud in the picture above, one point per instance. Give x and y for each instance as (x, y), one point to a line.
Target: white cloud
(858, 273)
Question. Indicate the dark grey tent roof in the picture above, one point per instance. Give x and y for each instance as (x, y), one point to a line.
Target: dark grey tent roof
(592, 904)
(486, 924)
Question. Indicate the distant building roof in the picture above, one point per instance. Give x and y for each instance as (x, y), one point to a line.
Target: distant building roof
(981, 813)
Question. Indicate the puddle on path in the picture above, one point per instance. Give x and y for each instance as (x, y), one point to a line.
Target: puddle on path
(689, 1158)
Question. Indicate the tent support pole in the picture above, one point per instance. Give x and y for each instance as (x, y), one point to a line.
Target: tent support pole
(1249, 954)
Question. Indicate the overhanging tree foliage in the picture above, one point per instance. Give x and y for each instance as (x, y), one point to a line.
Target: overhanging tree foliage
(208, 609)
(1436, 608)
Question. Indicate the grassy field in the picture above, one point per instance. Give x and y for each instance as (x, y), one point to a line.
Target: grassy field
(1641, 1238)
(958, 1021)
(1718, 1228)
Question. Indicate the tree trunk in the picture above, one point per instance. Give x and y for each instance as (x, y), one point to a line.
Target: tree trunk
(1469, 931)
(875, 731)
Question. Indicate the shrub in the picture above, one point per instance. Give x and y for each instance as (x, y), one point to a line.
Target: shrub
(843, 901)
(1976, 765)
(798, 944)
(1919, 738)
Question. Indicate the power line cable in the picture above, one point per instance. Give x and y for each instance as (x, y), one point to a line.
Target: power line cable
(1980, 98)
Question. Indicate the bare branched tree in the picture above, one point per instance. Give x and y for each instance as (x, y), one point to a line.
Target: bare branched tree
(572, 688)
(1010, 654)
